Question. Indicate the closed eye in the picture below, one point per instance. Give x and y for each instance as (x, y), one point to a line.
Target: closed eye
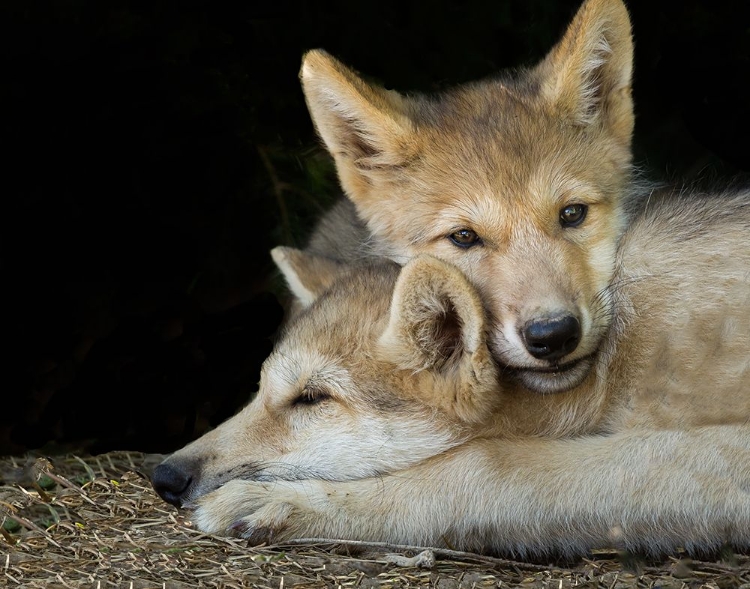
(311, 395)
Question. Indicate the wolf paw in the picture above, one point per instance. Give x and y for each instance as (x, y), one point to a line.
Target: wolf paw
(268, 525)
(265, 526)
(262, 512)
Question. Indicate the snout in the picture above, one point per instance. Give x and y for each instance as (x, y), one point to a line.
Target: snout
(173, 480)
(551, 338)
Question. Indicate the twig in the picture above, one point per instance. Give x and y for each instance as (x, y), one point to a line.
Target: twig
(444, 553)
(278, 191)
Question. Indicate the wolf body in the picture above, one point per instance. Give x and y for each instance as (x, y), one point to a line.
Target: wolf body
(380, 417)
(398, 404)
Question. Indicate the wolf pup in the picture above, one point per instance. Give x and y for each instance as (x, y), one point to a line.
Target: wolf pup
(525, 177)
(379, 418)
(380, 414)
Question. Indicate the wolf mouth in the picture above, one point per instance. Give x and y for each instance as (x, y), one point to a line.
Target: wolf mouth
(555, 379)
(559, 367)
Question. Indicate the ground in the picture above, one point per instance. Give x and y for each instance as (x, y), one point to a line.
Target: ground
(95, 521)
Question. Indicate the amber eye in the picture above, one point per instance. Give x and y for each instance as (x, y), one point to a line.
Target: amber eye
(573, 215)
(465, 238)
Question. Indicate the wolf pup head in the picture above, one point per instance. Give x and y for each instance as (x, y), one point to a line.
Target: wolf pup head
(519, 180)
(382, 368)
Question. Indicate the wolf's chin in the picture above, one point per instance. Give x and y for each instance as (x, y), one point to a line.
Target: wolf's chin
(555, 380)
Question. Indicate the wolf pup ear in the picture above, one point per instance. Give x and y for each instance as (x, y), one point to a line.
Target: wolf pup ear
(365, 127)
(587, 75)
(437, 330)
(307, 275)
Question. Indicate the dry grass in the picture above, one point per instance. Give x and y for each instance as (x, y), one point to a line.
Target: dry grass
(96, 522)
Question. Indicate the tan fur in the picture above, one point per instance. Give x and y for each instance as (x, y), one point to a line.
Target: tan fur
(407, 432)
(501, 157)
(378, 376)
(406, 437)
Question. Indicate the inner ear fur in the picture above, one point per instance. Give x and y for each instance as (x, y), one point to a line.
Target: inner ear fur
(357, 120)
(366, 128)
(437, 330)
(307, 275)
(588, 74)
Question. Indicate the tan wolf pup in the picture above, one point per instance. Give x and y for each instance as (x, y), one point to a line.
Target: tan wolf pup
(523, 181)
(349, 438)
(379, 418)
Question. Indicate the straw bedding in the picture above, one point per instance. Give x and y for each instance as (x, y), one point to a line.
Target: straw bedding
(94, 521)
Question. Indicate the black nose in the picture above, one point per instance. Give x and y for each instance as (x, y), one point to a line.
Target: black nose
(171, 482)
(552, 338)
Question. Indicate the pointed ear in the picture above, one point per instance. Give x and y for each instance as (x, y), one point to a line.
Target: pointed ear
(437, 328)
(366, 128)
(307, 275)
(587, 75)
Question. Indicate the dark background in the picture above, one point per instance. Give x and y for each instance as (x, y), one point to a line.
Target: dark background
(156, 151)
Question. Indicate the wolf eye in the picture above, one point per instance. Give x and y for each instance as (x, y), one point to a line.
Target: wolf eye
(465, 238)
(573, 215)
(311, 396)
